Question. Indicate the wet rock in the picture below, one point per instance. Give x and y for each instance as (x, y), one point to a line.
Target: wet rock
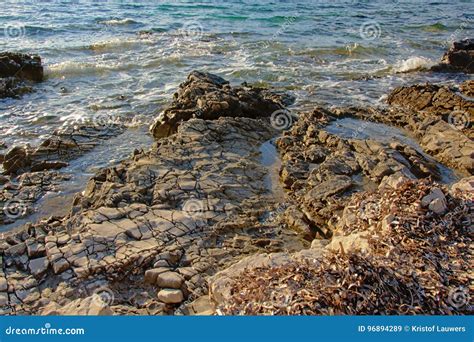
(15, 69)
(48, 165)
(209, 97)
(16, 159)
(20, 193)
(62, 146)
(13, 87)
(459, 58)
(171, 296)
(21, 66)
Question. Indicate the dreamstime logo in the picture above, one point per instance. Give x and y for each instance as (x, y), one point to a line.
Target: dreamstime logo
(281, 119)
(15, 209)
(459, 119)
(15, 31)
(192, 30)
(193, 207)
(458, 297)
(103, 296)
(370, 30)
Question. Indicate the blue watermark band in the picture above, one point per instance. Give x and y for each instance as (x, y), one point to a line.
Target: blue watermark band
(155, 328)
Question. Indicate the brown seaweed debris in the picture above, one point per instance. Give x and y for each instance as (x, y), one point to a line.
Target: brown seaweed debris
(419, 263)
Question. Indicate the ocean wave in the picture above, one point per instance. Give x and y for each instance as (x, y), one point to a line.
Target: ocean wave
(117, 43)
(69, 68)
(118, 22)
(413, 64)
(437, 27)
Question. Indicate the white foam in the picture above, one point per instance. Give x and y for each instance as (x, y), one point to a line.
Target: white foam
(413, 64)
(117, 43)
(79, 68)
(118, 22)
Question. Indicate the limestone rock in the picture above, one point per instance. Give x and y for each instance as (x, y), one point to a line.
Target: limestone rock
(89, 306)
(38, 266)
(170, 296)
(209, 97)
(171, 280)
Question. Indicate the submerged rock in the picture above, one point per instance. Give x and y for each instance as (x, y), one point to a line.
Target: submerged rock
(61, 147)
(207, 96)
(459, 58)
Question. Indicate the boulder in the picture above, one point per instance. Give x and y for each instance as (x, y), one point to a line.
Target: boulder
(21, 66)
(459, 58)
(207, 96)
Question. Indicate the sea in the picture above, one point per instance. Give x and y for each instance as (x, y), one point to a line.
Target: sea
(123, 60)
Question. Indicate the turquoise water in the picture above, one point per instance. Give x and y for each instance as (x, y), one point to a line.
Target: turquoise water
(125, 58)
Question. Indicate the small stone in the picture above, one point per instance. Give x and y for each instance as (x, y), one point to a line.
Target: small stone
(438, 206)
(169, 279)
(3, 284)
(3, 299)
(16, 250)
(60, 265)
(171, 296)
(435, 201)
(151, 275)
(35, 249)
(39, 266)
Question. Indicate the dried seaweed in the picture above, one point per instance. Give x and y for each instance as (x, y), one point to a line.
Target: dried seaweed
(413, 265)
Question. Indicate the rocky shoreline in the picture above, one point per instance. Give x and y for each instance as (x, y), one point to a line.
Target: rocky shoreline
(195, 225)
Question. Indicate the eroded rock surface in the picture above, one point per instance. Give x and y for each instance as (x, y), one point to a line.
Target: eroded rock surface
(440, 118)
(151, 230)
(193, 216)
(321, 170)
(54, 152)
(209, 97)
